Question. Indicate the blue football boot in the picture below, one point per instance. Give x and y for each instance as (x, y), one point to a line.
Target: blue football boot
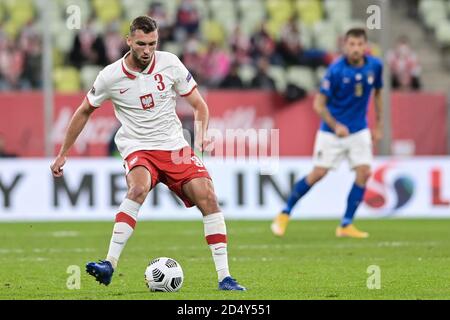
(102, 271)
(229, 283)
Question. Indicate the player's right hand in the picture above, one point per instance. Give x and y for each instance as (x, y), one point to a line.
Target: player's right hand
(57, 165)
(341, 131)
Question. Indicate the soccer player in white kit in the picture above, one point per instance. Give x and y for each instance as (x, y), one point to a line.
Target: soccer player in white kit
(142, 87)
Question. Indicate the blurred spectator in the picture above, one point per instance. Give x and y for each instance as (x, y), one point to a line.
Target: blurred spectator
(404, 66)
(32, 73)
(188, 19)
(165, 28)
(292, 50)
(115, 44)
(240, 46)
(262, 80)
(192, 58)
(264, 46)
(215, 65)
(30, 42)
(12, 61)
(232, 80)
(3, 152)
(88, 47)
(290, 46)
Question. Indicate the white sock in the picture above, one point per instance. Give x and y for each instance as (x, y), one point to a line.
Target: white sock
(123, 229)
(216, 237)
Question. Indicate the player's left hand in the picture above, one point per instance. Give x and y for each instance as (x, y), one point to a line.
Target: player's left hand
(202, 144)
(56, 166)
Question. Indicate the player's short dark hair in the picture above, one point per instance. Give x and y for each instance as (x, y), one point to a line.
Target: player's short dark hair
(144, 23)
(356, 33)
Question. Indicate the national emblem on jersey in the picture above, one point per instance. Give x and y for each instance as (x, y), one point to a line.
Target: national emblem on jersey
(147, 101)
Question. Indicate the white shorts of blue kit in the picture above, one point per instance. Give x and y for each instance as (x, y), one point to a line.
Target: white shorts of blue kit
(330, 150)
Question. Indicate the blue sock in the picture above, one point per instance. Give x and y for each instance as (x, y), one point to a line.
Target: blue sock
(354, 199)
(299, 190)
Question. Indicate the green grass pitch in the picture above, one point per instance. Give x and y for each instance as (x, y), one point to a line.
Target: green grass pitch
(308, 263)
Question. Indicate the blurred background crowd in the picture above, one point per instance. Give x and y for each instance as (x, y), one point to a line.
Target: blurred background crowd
(260, 44)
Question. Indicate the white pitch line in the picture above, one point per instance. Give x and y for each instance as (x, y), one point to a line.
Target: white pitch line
(64, 234)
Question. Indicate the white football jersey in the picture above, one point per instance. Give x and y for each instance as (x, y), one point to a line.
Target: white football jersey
(144, 102)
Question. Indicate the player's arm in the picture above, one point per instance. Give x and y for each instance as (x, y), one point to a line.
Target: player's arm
(201, 118)
(378, 100)
(320, 106)
(76, 125)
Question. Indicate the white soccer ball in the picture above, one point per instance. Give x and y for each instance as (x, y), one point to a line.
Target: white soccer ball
(164, 274)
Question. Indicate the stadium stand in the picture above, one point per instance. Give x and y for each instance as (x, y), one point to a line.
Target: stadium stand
(233, 27)
(298, 37)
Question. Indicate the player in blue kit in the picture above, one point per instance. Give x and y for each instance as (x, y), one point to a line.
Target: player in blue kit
(342, 104)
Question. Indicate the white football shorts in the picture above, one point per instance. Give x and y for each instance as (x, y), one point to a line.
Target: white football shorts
(330, 150)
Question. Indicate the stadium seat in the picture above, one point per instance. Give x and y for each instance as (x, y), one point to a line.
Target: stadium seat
(278, 74)
(225, 13)
(433, 18)
(11, 28)
(202, 7)
(250, 6)
(325, 36)
(171, 7)
(56, 18)
(306, 35)
(246, 72)
(134, 8)
(274, 26)
(309, 11)
(212, 31)
(64, 40)
(251, 13)
(279, 11)
(430, 5)
(58, 58)
(220, 6)
(88, 74)
(66, 80)
(303, 77)
(252, 9)
(2, 12)
(107, 10)
(443, 34)
(338, 12)
(173, 47)
(432, 12)
(320, 73)
(349, 24)
(333, 7)
(249, 24)
(20, 12)
(124, 27)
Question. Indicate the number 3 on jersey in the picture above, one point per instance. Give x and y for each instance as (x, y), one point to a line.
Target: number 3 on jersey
(159, 78)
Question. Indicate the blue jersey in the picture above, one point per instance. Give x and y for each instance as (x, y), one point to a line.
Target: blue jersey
(348, 90)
